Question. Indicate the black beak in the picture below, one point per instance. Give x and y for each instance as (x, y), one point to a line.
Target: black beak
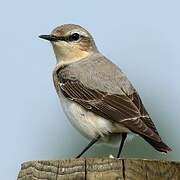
(49, 37)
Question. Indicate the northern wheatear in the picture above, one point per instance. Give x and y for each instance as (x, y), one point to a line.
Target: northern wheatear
(95, 94)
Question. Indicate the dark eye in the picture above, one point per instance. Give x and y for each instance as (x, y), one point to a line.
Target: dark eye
(74, 37)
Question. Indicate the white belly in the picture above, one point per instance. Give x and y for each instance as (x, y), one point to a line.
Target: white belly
(89, 124)
(86, 122)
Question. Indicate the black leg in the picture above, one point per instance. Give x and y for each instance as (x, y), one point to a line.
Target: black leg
(124, 135)
(88, 146)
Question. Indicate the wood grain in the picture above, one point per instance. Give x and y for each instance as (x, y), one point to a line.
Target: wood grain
(100, 169)
(53, 170)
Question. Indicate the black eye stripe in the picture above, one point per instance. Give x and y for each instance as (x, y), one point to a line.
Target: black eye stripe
(74, 37)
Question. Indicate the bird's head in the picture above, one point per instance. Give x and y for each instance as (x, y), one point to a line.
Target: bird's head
(71, 43)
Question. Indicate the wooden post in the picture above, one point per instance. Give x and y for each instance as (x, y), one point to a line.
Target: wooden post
(100, 169)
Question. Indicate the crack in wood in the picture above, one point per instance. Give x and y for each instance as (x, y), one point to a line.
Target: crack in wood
(85, 163)
(57, 170)
(123, 169)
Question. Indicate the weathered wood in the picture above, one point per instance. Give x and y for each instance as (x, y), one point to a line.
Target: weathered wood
(100, 169)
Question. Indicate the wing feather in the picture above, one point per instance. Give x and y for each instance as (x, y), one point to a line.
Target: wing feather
(124, 109)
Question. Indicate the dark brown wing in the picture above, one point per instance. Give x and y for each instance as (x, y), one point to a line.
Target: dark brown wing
(123, 109)
(145, 117)
(160, 146)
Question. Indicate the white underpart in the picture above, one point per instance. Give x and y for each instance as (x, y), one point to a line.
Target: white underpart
(91, 125)
(85, 121)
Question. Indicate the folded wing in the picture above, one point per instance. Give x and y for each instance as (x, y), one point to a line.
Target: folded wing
(123, 108)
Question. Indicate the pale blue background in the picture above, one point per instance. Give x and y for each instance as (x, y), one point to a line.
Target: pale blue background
(142, 37)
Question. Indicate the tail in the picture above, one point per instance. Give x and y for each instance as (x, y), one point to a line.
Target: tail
(159, 146)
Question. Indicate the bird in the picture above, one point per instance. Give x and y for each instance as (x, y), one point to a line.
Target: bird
(95, 93)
